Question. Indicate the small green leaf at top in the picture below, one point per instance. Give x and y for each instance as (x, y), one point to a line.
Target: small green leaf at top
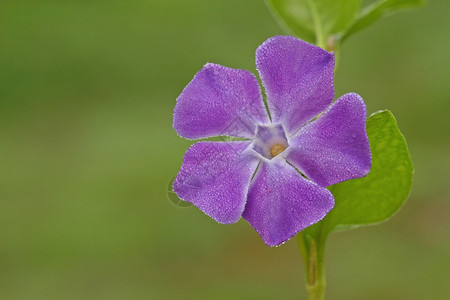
(327, 23)
(377, 196)
(378, 9)
(315, 21)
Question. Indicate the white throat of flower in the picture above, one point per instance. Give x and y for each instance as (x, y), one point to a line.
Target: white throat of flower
(270, 140)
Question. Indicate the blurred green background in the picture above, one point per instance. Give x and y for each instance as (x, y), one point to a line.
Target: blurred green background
(87, 90)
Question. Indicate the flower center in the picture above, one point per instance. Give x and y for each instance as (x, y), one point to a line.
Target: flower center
(277, 149)
(270, 140)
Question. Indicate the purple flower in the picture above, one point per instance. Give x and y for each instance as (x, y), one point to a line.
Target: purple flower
(275, 175)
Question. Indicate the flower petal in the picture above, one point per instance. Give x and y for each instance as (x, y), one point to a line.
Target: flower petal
(281, 202)
(335, 147)
(298, 78)
(219, 101)
(215, 177)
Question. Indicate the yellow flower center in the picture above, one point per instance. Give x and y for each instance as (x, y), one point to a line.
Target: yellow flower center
(277, 149)
(270, 140)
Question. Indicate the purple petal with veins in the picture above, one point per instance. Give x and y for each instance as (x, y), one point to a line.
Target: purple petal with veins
(279, 201)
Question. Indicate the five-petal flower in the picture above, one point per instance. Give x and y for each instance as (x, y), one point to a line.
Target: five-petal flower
(275, 176)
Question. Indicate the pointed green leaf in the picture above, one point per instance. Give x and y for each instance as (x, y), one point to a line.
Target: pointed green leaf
(376, 197)
(315, 20)
(378, 9)
(294, 17)
(363, 201)
(383, 191)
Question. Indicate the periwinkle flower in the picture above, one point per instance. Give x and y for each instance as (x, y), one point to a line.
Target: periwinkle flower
(275, 175)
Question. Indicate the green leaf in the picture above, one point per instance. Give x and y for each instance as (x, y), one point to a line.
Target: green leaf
(376, 197)
(294, 18)
(315, 20)
(378, 9)
(363, 201)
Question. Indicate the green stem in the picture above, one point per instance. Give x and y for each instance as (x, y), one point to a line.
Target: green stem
(320, 37)
(312, 250)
